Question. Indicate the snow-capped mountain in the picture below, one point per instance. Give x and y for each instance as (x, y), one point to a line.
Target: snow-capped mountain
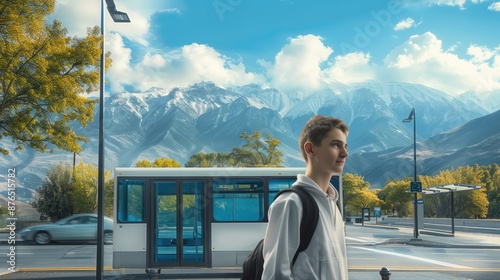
(489, 101)
(206, 118)
(476, 142)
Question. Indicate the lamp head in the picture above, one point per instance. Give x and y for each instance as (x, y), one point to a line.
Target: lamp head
(410, 117)
(116, 15)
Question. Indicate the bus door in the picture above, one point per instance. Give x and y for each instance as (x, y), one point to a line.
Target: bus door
(178, 227)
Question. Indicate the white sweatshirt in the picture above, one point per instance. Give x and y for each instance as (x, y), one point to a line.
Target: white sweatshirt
(325, 258)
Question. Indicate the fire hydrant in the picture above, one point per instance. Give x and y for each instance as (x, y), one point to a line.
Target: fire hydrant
(385, 273)
(153, 273)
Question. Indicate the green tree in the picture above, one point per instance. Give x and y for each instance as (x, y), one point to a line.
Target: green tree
(53, 199)
(210, 160)
(471, 204)
(357, 194)
(43, 72)
(84, 191)
(256, 152)
(494, 196)
(109, 196)
(468, 204)
(437, 205)
(397, 197)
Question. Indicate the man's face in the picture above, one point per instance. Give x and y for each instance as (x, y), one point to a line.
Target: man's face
(330, 156)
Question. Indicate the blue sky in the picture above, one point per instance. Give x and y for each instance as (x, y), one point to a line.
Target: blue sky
(450, 45)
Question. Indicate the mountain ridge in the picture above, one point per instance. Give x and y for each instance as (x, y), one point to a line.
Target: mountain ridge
(204, 117)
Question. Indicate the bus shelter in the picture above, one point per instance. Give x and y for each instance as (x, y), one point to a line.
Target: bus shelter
(451, 188)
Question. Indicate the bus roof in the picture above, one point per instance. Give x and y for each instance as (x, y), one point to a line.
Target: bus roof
(207, 171)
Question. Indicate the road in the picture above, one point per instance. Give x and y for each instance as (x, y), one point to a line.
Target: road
(470, 256)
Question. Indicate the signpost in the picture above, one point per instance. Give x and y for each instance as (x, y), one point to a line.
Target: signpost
(416, 186)
(376, 212)
(365, 215)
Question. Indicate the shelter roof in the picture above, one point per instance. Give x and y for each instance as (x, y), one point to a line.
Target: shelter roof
(450, 188)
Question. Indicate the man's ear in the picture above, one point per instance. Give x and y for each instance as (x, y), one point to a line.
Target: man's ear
(308, 147)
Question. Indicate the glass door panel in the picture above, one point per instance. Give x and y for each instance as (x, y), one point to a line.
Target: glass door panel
(193, 222)
(179, 223)
(165, 223)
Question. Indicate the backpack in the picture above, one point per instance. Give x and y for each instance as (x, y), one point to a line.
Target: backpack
(253, 266)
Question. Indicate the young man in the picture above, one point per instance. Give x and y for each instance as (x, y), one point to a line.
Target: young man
(324, 147)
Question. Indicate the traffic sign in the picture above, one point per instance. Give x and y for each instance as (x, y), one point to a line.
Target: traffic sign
(416, 186)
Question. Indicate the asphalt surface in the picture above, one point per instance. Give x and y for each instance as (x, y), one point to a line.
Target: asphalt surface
(426, 239)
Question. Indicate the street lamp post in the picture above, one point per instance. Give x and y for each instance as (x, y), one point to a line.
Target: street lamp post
(117, 17)
(411, 117)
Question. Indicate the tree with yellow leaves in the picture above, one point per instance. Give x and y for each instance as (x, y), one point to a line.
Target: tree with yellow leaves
(159, 162)
(256, 152)
(84, 192)
(468, 204)
(43, 73)
(357, 194)
(397, 197)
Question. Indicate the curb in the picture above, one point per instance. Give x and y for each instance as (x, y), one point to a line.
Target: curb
(431, 244)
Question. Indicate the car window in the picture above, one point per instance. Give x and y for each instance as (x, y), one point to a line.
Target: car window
(92, 220)
(75, 221)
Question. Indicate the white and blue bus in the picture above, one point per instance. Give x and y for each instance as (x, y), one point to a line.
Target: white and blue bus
(205, 217)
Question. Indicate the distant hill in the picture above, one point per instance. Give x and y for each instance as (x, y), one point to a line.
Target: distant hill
(476, 142)
(23, 210)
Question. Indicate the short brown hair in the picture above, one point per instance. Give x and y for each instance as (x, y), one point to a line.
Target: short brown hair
(316, 130)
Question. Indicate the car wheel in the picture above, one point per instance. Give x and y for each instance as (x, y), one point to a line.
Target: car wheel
(42, 238)
(108, 237)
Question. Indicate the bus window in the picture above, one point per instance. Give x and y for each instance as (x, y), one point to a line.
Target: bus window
(275, 185)
(130, 204)
(237, 200)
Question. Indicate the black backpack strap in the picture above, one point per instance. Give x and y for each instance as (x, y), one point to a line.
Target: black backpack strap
(309, 219)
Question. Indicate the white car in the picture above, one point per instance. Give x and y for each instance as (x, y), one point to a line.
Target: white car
(78, 227)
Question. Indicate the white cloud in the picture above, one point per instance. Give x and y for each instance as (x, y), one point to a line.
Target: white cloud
(190, 64)
(120, 71)
(351, 68)
(494, 7)
(304, 63)
(458, 3)
(452, 3)
(479, 53)
(78, 15)
(298, 64)
(405, 24)
(422, 60)
(178, 68)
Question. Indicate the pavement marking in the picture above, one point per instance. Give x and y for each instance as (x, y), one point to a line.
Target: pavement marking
(362, 240)
(72, 268)
(416, 258)
(421, 268)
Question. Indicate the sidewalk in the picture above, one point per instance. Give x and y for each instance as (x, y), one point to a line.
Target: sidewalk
(400, 235)
(213, 274)
(439, 239)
